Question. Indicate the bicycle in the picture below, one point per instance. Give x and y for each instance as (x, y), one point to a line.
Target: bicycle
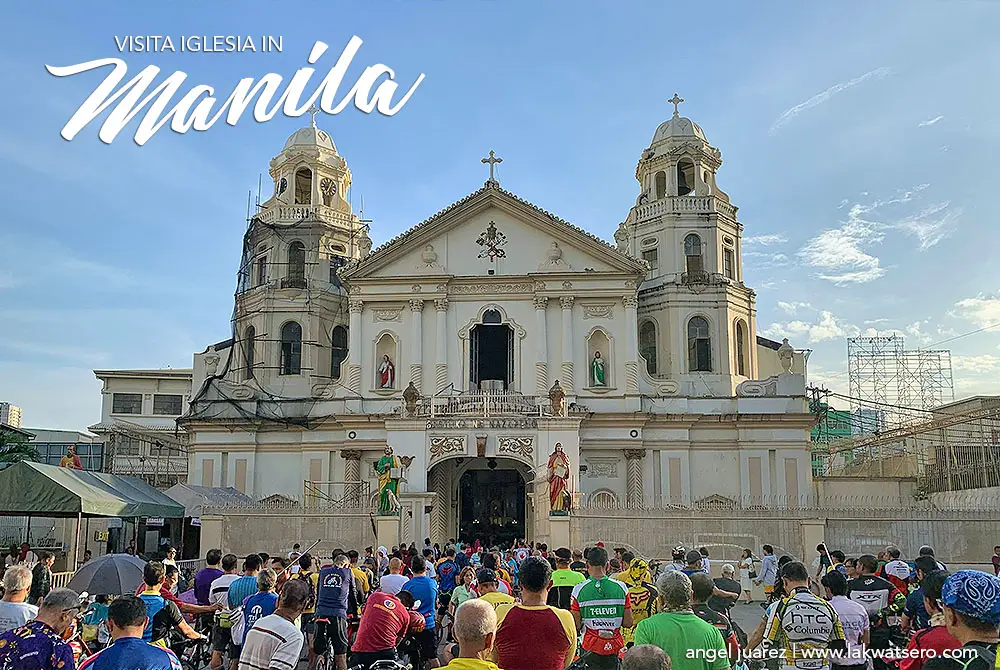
(194, 654)
(383, 665)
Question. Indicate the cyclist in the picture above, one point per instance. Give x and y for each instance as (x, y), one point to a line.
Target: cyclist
(600, 607)
(337, 598)
(162, 614)
(128, 651)
(384, 622)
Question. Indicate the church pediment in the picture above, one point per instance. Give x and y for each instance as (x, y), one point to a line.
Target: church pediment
(492, 229)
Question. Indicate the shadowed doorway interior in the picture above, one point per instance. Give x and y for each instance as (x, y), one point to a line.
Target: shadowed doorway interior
(491, 506)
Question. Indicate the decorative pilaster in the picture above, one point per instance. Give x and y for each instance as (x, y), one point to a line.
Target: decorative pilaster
(355, 306)
(631, 343)
(542, 360)
(633, 482)
(416, 351)
(566, 303)
(441, 369)
(438, 483)
(352, 477)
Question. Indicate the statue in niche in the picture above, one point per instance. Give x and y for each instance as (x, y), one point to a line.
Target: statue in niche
(558, 473)
(386, 373)
(597, 374)
(556, 397)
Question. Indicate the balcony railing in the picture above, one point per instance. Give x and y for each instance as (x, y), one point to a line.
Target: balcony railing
(295, 213)
(684, 205)
(487, 404)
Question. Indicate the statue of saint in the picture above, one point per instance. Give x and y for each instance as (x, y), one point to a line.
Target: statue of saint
(388, 482)
(558, 472)
(386, 373)
(786, 355)
(597, 370)
(556, 396)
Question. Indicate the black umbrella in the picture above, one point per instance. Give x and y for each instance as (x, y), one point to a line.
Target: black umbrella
(112, 574)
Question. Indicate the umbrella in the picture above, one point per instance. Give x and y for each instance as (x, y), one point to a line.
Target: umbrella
(112, 574)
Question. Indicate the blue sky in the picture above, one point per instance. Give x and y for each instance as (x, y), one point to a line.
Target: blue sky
(858, 140)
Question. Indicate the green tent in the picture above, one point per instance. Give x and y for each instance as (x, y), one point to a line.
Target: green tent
(33, 489)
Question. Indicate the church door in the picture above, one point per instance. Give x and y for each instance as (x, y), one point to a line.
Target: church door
(491, 354)
(491, 506)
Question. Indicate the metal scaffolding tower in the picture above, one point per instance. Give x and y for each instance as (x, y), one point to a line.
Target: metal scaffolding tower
(884, 374)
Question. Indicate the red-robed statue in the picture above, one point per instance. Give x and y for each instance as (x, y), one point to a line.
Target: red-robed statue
(558, 472)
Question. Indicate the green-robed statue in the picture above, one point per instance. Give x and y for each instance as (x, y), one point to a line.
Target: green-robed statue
(388, 484)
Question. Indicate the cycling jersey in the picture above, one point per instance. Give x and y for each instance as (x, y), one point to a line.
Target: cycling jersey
(258, 606)
(163, 615)
(602, 604)
(801, 624)
(883, 601)
(131, 653)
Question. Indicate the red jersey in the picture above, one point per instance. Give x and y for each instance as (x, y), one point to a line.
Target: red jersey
(551, 631)
(936, 637)
(384, 622)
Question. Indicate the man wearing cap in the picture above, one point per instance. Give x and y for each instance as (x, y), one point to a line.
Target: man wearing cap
(488, 589)
(564, 578)
(971, 601)
(38, 645)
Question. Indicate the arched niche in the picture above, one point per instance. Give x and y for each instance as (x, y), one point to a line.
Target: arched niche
(600, 346)
(386, 372)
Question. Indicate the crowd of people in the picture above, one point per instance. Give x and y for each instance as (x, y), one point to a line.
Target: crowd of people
(469, 607)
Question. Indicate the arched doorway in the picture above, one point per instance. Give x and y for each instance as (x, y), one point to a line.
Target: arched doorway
(491, 506)
(491, 353)
(483, 498)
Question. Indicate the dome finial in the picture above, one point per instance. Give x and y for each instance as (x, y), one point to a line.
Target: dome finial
(313, 111)
(676, 100)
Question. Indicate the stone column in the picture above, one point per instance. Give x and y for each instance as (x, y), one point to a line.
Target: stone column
(352, 478)
(416, 353)
(631, 344)
(566, 302)
(438, 483)
(633, 482)
(354, 353)
(542, 361)
(441, 369)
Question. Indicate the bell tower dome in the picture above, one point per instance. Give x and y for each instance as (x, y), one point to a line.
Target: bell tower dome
(696, 317)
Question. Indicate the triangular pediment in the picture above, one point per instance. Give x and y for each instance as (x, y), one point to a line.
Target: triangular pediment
(493, 229)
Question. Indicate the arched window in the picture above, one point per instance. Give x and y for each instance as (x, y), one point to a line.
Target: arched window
(661, 185)
(296, 263)
(492, 316)
(685, 177)
(249, 342)
(339, 354)
(291, 349)
(603, 499)
(303, 186)
(741, 351)
(693, 260)
(647, 345)
(699, 345)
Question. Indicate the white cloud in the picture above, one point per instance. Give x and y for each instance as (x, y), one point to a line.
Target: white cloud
(983, 309)
(843, 255)
(820, 98)
(792, 307)
(825, 327)
(765, 240)
(929, 122)
(977, 364)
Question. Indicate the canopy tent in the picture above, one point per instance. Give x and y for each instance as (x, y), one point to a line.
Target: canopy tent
(196, 498)
(28, 489)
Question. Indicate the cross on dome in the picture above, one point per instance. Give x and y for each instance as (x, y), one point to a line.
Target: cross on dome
(313, 111)
(492, 160)
(676, 101)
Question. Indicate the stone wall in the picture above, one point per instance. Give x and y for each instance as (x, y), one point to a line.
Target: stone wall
(253, 530)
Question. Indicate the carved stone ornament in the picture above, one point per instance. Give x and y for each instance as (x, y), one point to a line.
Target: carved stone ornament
(603, 468)
(351, 454)
(364, 244)
(753, 388)
(386, 314)
(429, 259)
(621, 237)
(635, 454)
(324, 391)
(599, 311)
(524, 423)
(410, 397)
(554, 259)
(243, 392)
(481, 289)
(786, 355)
(447, 444)
(516, 446)
(212, 362)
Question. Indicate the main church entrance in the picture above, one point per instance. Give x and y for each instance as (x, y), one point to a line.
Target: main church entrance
(491, 506)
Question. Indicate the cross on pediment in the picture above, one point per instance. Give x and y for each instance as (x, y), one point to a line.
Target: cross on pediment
(492, 160)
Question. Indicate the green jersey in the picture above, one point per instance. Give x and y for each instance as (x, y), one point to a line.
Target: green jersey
(602, 604)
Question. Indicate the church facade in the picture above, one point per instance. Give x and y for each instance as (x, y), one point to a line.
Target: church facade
(483, 337)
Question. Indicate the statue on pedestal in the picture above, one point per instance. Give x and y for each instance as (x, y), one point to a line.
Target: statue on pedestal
(558, 474)
(556, 396)
(410, 398)
(786, 354)
(388, 469)
(597, 370)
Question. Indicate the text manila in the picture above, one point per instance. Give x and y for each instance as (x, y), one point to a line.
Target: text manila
(196, 109)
